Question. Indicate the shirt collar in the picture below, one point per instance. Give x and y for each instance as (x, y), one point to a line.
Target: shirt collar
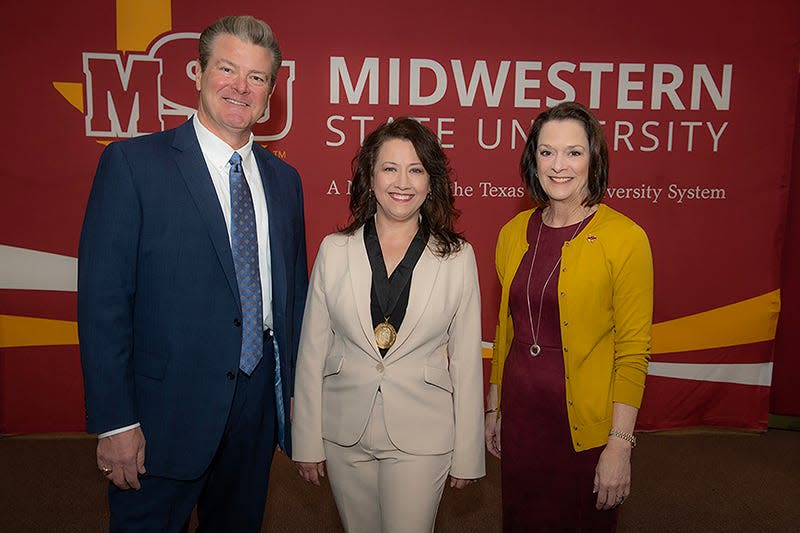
(215, 150)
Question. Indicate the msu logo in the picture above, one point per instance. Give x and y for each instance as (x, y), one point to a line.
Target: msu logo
(146, 93)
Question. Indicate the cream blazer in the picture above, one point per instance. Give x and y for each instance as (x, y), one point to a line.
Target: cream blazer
(431, 379)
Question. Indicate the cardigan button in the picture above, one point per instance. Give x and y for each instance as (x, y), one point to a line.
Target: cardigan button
(575, 428)
(578, 444)
(566, 323)
(563, 293)
(565, 349)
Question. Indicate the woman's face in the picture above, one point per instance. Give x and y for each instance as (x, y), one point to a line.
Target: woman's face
(399, 181)
(562, 162)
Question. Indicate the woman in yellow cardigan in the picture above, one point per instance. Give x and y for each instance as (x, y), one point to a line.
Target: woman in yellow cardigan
(573, 336)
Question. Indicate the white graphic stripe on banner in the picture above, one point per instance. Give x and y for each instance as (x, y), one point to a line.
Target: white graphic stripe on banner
(39, 271)
(742, 374)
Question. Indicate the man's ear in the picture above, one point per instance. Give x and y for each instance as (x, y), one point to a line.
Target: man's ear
(198, 75)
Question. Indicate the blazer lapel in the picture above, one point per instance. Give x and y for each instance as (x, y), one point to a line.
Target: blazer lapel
(194, 171)
(361, 282)
(422, 283)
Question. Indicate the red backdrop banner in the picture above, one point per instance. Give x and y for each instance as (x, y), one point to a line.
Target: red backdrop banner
(698, 103)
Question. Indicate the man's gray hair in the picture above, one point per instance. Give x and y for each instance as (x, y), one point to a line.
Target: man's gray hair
(246, 28)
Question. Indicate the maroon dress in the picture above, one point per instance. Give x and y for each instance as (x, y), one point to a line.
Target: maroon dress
(547, 485)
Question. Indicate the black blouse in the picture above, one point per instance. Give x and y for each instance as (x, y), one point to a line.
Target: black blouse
(389, 295)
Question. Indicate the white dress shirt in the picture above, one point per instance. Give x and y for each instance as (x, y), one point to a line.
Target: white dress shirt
(217, 153)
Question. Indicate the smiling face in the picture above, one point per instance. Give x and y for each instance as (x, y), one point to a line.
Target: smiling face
(562, 162)
(400, 182)
(234, 88)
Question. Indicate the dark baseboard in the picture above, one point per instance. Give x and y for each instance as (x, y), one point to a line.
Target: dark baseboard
(791, 423)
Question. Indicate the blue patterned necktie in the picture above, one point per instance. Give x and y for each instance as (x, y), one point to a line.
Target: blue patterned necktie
(244, 245)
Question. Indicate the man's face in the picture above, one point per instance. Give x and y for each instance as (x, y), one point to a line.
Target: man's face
(234, 88)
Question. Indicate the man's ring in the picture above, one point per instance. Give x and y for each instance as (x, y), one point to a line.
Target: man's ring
(106, 471)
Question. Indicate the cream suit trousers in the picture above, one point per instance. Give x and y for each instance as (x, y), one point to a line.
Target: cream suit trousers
(379, 488)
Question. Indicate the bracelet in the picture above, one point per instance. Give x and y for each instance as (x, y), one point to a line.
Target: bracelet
(486, 412)
(630, 437)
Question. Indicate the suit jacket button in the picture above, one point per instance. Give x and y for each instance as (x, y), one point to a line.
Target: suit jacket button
(237, 322)
(379, 367)
(230, 376)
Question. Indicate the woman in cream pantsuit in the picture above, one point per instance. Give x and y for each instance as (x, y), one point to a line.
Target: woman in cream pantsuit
(389, 374)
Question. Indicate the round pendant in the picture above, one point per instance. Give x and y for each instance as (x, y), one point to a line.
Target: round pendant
(385, 335)
(535, 350)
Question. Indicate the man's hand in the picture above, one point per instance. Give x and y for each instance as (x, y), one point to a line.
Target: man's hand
(123, 454)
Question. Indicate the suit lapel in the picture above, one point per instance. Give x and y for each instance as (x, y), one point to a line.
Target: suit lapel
(278, 230)
(361, 282)
(194, 171)
(422, 282)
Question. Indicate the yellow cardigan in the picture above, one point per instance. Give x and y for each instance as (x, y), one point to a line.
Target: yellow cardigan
(605, 290)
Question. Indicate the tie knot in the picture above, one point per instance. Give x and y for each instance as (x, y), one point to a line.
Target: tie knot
(235, 159)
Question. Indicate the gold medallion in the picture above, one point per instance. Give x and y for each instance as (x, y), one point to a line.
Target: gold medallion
(385, 335)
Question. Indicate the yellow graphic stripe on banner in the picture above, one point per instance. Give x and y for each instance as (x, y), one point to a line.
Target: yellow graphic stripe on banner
(17, 331)
(745, 322)
(72, 92)
(140, 21)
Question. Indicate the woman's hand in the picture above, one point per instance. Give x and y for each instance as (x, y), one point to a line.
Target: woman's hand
(492, 433)
(612, 477)
(311, 472)
(459, 483)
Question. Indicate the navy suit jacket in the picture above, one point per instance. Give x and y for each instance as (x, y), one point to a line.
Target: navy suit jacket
(158, 303)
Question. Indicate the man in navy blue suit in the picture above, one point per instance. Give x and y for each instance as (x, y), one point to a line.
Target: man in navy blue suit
(191, 286)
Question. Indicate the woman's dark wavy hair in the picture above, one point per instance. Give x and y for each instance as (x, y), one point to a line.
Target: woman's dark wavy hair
(598, 153)
(438, 210)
